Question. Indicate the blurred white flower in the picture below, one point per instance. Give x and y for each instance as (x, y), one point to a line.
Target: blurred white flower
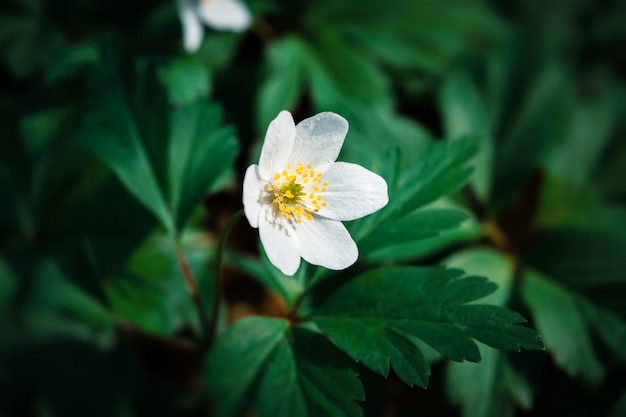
(231, 15)
(298, 195)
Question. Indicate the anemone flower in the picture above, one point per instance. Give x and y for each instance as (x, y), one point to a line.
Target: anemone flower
(230, 15)
(297, 196)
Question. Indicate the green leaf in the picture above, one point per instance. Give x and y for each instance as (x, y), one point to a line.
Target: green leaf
(339, 76)
(440, 171)
(426, 303)
(378, 130)
(186, 79)
(200, 153)
(268, 367)
(495, 265)
(491, 388)
(464, 114)
(595, 117)
(117, 142)
(282, 86)
(562, 325)
(466, 231)
(288, 287)
(167, 158)
(539, 120)
(399, 49)
(151, 293)
(417, 226)
(609, 326)
(27, 41)
(56, 307)
(567, 199)
(72, 59)
(413, 37)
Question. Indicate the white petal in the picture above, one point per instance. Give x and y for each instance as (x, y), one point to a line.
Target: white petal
(225, 14)
(278, 237)
(352, 191)
(319, 139)
(253, 190)
(192, 28)
(326, 243)
(279, 140)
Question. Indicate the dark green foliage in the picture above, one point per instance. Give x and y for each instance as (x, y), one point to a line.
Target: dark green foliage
(277, 369)
(423, 303)
(498, 126)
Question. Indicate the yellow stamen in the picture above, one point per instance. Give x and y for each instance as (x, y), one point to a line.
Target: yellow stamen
(292, 193)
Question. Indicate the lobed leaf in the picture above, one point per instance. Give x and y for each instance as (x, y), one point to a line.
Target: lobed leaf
(167, 158)
(116, 141)
(440, 171)
(426, 303)
(275, 369)
(416, 226)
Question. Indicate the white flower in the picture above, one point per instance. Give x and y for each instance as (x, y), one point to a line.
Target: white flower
(230, 15)
(298, 195)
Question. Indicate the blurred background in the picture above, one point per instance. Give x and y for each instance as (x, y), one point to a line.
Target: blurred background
(95, 319)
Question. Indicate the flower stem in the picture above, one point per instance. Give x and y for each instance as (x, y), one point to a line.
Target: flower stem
(192, 285)
(219, 260)
(293, 314)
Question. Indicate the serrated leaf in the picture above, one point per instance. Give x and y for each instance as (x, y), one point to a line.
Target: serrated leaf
(419, 225)
(562, 325)
(491, 388)
(484, 261)
(426, 303)
(167, 158)
(439, 171)
(268, 366)
(467, 231)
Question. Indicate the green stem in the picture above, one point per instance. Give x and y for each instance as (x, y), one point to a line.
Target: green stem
(192, 284)
(219, 260)
(293, 314)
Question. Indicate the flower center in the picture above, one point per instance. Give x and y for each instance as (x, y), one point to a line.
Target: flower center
(297, 192)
